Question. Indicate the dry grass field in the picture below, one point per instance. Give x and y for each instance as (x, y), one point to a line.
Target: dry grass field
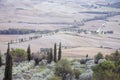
(81, 52)
(74, 46)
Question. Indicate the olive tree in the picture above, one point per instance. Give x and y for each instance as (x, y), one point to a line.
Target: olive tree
(63, 68)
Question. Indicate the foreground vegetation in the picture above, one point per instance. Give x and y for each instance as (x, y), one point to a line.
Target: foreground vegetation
(109, 69)
(55, 68)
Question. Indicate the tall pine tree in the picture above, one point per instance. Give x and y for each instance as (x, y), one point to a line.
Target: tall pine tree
(59, 52)
(8, 67)
(29, 53)
(51, 55)
(55, 52)
(0, 59)
(48, 56)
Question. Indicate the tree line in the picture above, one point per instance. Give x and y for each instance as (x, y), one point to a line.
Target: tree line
(17, 31)
(23, 31)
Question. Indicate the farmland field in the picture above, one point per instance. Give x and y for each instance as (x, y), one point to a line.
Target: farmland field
(57, 15)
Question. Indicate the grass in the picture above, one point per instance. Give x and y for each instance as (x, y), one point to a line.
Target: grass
(42, 68)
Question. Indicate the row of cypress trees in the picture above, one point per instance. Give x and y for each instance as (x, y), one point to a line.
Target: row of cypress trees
(57, 54)
(50, 56)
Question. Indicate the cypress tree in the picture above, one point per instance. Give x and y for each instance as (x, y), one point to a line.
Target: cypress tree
(59, 52)
(8, 67)
(51, 55)
(87, 56)
(55, 52)
(36, 61)
(48, 56)
(29, 53)
(0, 59)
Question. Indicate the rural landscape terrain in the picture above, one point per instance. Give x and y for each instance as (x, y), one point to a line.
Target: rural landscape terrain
(83, 33)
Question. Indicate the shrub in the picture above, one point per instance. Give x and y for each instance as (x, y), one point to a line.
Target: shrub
(63, 68)
(117, 67)
(87, 75)
(114, 56)
(108, 70)
(19, 55)
(77, 73)
(98, 56)
(104, 71)
(55, 78)
(106, 65)
(83, 61)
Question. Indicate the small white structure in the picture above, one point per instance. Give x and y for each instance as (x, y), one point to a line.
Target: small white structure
(100, 29)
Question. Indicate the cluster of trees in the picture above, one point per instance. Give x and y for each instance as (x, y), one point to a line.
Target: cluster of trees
(44, 31)
(50, 54)
(17, 31)
(109, 69)
(57, 54)
(23, 31)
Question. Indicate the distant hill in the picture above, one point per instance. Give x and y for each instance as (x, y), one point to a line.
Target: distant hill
(50, 11)
(116, 5)
(114, 1)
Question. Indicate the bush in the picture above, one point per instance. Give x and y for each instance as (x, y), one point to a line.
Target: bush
(55, 78)
(83, 61)
(105, 71)
(19, 55)
(63, 68)
(106, 65)
(98, 56)
(77, 73)
(108, 70)
(117, 67)
(114, 56)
